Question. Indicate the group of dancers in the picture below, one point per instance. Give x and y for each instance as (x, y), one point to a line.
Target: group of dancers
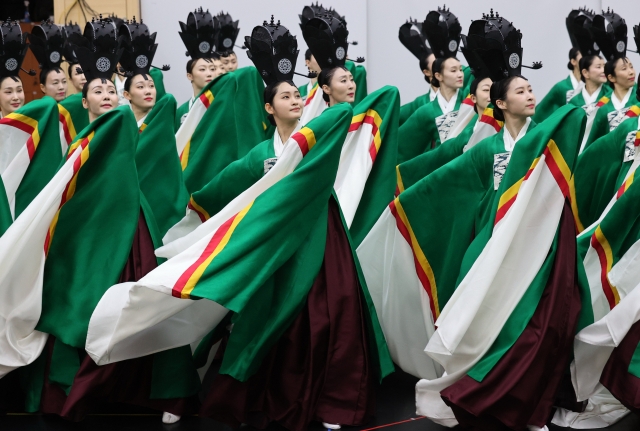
(269, 253)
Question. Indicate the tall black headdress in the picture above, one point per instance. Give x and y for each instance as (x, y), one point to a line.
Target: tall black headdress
(98, 49)
(414, 40)
(442, 29)
(117, 22)
(610, 33)
(139, 48)
(496, 43)
(326, 37)
(579, 24)
(227, 35)
(314, 10)
(13, 49)
(68, 30)
(273, 50)
(47, 44)
(636, 36)
(199, 34)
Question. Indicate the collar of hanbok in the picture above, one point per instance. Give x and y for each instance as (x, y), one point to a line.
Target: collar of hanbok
(447, 106)
(509, 142)
(619, 104)
(278, 145)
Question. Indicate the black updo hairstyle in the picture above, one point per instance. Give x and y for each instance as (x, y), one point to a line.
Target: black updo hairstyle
(573, 54)
(499, 91)
(85, 87)
(308, 54)
(127, 82)
(45, 72)
(269, 94)
(325, 78)
(585, 64)
(610, 69)
(438, 66)
(424, 65)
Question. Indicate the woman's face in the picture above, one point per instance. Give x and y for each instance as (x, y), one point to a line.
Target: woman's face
(230, 62)
(101, 97)
(77, 79)
(287, 103)
(221, 69)
(482, 98)
(55, 85)
(11, 95)
(202, 72)
(625, 74)
(341, 88)
(595, 73)
(451, 75)
(142, 93)
(520, 100)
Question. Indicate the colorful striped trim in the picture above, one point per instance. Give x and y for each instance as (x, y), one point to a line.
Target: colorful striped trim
(467, 101)
(142, 127)
(399, 183)
(637, 141)
(311, 95)
(423, 268)
(27, 125)
(373, 118)
(184, 156)
(67, 124)
(488, 118)
(305, 139)
(625, 186)
(634, 111)
(601, 245)
(202, 213)
(603, 101)
(70, 188)
(560, 171)
(190, 278)
(206, 98)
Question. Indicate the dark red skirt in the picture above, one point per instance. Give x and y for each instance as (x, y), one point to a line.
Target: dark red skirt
(127, 382)
(320, 368)
(615, 376)
(521, 389)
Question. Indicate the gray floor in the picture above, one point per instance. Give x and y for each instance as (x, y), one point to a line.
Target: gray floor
(396, 409)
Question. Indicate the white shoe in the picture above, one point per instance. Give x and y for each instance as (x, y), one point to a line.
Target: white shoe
(169, 418)
(331, 426)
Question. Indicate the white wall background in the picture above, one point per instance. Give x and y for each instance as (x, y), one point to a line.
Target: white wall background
(375, 23)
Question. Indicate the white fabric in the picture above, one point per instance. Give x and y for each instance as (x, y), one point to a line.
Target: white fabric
(188, 126)
(12, 140)
(486, 297)
(447, 106)
(140, 121)
(591, 108)
(122, 101)
(574, 82)
(313, 107)
(595, 343)
(278, 145)
(432, 93)
(401, 303)
(590, 98)
(509, 142)
(141, 318)
(21, 273)
(465, 114)
(603, 410)
(481, 131)
(619, 104)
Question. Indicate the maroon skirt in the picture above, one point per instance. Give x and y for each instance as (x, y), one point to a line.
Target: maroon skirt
(615, 376)
(320, 368)
(521, 389)
(127, 382)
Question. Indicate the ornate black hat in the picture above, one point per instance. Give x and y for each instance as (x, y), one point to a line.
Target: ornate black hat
(14, 48)
(636, 36)
(442, 29)
(610, 33)
(413, 39)
(117, 22)
(497, 44)
(579, 24)
(46, 43)
(227, 35)
(326, 37)
(98, 49)
(314, 10)
(199, 34)
(273, 50)
(68, 30)
(139, 48)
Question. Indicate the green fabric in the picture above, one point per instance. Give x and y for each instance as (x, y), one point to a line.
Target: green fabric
(578, 99)
(555, 98)
(419, 134)
(303, 91)
(31, 382)
(634, 365)
(79, 115)
(412, 171)
(600, 171)
(381, 185)
(252, 117)
(360, 77)
(5, 211)
(181, 112)
(408, 109)
(158, 165)
(158, 81)
(601, 125)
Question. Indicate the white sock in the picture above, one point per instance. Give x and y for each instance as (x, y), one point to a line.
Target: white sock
(169, 418)
(331, 426)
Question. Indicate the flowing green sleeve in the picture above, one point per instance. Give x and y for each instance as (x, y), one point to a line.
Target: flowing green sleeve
(418, 134)
(555, 98)
(180, 112)
(158, 81)
(408, 109)
(600, 125)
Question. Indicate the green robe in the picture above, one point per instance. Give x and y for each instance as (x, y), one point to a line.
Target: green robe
(607, 118)
(181, 112)
(79, 115)
(419, 134)
(556, 97)
(158, 81)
